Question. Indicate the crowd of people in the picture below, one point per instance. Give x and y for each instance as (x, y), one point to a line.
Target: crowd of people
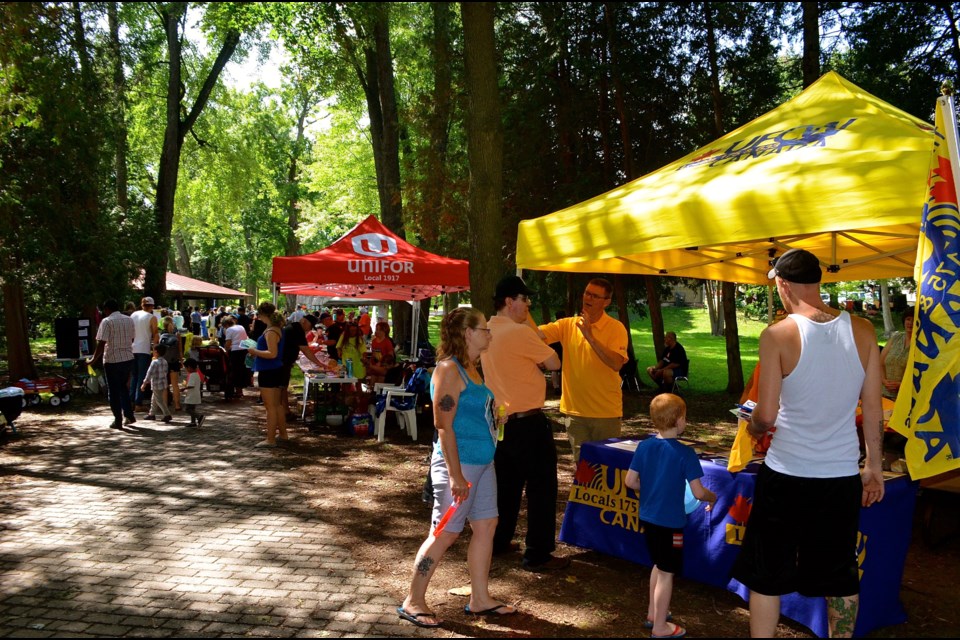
(494, 444)
(152, 358)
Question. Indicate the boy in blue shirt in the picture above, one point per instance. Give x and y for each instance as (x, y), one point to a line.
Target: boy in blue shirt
(660, 469)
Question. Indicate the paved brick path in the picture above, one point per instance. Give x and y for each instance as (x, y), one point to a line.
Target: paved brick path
(163, 530)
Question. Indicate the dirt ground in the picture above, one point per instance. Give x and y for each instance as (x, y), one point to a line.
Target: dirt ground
(374, 488)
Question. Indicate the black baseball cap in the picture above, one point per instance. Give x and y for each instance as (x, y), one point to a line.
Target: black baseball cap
(797, 265)
(511, 287)
(312, 319)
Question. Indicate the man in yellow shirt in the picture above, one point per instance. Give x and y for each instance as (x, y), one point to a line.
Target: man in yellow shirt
(594, 350)
(513, 368)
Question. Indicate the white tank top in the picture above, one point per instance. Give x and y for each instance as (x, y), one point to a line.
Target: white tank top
(142, 336)
(816, 433)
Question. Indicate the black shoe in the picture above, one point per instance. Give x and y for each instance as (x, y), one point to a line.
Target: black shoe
(129, 420)
(555, 563)
(116, 425)
(167, 418)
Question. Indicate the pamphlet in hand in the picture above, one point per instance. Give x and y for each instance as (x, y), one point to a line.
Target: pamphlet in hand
(744, 411)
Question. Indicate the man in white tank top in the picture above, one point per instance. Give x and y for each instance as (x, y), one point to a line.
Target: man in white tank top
(146, 335)
(815, 366)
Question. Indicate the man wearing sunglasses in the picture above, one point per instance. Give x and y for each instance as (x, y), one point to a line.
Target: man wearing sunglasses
(594, 349)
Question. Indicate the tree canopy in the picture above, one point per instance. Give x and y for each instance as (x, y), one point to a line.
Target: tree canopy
(123, 147)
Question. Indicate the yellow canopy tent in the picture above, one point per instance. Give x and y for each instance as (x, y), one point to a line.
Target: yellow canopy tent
(835, 171)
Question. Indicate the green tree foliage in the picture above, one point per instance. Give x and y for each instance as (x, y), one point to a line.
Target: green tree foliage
(63, 243)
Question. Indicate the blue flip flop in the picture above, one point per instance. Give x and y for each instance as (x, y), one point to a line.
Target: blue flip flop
(492, 611)
(648, 624)
(415, 618)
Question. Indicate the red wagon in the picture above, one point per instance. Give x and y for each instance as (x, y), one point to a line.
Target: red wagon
(57, 386)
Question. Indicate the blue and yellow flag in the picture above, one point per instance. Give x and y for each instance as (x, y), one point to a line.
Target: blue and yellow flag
(928, 406)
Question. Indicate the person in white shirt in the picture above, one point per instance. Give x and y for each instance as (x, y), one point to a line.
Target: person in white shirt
(146, 336)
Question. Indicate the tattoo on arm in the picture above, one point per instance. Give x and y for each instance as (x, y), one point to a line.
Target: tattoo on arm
(423, 565)
(447, 403)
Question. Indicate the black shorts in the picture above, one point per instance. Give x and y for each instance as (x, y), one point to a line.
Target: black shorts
(270, 379)
(285, 371)
(665, 546)
(175, 367)
(802, 536)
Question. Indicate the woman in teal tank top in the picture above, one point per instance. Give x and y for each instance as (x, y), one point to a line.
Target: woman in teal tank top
(461, 468)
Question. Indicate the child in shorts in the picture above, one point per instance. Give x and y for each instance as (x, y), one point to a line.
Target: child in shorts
(192, 392)
(660, 469)
(157, 378)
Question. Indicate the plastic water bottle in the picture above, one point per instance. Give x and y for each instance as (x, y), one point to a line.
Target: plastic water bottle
(349, 367)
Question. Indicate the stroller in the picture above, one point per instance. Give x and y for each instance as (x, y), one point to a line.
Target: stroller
(213, 367)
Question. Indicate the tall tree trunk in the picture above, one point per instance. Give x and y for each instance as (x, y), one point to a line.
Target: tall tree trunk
(732, 333)
(176, 130)
(484, 151)
(727, 325)
(293, 176)
(628, 165)
(119, 105)
(437, 192)
(888, 327)
(19, 357)
(811, 42)
(552, 14)
(656, 314)
(714, 70)
(183, 255)
(950, 18)
(713, 295)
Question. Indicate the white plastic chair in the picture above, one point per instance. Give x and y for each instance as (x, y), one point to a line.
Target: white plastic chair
(406, 418)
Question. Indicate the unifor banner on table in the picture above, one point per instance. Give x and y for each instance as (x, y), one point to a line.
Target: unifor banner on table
(928, 405)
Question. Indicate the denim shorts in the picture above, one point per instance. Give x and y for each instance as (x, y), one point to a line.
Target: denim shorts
(481, 504)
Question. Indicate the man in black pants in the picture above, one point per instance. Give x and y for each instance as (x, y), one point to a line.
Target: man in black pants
(513, 367)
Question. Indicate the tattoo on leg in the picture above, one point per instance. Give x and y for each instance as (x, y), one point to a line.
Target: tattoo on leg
(446, 403)
(843, 615)
(423, 565)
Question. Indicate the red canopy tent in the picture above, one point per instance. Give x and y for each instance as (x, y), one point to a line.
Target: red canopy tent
(370, 261)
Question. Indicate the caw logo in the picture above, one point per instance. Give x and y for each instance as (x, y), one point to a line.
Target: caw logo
(375, 245)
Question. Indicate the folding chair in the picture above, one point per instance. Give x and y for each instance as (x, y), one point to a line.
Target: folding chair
(681, 383)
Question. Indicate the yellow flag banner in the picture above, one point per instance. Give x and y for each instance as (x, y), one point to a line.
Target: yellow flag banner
(928, 406)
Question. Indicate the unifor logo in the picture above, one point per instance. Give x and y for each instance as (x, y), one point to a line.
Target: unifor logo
(375, 245)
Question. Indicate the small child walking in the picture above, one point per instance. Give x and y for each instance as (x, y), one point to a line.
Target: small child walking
(660, 469)
(157, 378)
(191, 388)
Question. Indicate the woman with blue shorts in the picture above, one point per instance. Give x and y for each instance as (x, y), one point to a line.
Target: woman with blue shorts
(461, 468)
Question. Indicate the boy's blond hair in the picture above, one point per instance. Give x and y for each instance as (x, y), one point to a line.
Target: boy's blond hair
(666, 409)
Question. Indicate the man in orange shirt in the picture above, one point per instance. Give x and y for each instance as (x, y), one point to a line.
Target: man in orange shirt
(513, 368)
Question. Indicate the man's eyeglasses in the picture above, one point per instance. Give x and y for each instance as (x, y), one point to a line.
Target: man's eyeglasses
(594, 296)
(522, 298)
(481, 329)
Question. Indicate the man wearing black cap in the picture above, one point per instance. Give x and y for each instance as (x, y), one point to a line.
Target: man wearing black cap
(513, 368)
(817, 364)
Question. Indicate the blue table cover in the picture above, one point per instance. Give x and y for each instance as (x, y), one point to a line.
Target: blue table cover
(602, 514)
